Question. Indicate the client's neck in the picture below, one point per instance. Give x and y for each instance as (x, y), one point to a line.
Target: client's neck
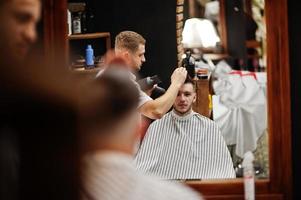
(182, 114)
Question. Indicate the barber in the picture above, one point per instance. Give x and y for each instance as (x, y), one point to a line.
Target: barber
(131, 46)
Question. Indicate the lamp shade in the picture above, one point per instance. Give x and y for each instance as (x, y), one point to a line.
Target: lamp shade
(199, 33)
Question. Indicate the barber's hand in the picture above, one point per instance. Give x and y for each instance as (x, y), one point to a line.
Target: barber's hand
(178, 76)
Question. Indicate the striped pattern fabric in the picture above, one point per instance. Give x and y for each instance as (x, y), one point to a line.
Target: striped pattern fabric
(112, 176)
(189, 147)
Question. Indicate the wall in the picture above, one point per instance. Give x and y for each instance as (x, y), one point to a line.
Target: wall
(235, 23)
(154, 19)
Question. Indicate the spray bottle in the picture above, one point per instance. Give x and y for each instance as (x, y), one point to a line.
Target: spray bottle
(89, 57)
(248, 174)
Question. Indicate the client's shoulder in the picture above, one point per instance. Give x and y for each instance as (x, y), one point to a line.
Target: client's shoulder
(205, 119)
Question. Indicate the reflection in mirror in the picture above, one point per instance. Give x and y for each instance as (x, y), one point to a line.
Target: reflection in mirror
(186, 145)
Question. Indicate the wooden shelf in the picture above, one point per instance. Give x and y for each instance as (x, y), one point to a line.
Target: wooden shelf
(253, 44)
(88, 73)
(89, 36)
(83, 69)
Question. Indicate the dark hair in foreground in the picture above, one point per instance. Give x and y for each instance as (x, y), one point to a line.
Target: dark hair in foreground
(117, 96)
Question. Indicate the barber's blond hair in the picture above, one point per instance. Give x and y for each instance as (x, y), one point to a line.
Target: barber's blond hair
(129, 40)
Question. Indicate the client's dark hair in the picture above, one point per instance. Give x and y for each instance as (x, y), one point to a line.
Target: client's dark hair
(192, 82)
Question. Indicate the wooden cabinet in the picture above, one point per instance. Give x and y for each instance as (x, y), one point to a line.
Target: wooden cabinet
(202, 102)
(105, 35)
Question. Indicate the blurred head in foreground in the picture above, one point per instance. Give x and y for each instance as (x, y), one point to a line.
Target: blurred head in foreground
(110, 121)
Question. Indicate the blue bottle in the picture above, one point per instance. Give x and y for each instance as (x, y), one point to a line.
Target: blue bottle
(89, 57)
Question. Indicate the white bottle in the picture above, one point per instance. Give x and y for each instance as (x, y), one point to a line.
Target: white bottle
(76, 25)
(248, 173)
(69, 22)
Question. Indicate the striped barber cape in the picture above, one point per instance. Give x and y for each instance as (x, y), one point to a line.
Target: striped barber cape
(189, 147)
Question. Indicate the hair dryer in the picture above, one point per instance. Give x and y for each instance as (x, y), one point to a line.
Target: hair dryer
(149, 82)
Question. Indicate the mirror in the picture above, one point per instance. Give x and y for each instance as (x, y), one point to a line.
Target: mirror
(172, 149)
(238, 99)
(277, 186)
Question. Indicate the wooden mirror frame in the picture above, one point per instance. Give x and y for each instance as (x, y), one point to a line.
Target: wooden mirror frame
(278, 186)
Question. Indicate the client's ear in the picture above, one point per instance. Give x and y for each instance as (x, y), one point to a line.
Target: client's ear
(194, 98)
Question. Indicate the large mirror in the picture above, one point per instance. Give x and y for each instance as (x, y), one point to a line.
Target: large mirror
(190, 147)
(277, 185)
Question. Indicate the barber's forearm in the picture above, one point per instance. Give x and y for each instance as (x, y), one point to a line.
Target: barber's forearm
(157, 108)
(165, 102)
